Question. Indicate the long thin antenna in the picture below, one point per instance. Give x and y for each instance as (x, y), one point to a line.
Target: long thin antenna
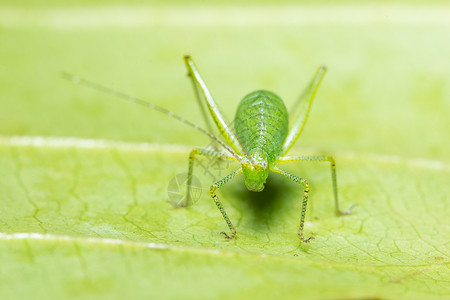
(95, 86)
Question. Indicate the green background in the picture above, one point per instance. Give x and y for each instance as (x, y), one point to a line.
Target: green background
(83, 189)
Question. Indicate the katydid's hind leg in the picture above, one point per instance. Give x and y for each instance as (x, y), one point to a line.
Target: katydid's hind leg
(304, 202)
(197, 151)
(332, 162)
(302, 109)
(213, 189)
(200, 102)
(200, 86)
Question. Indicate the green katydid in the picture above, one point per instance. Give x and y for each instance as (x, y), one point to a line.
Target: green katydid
(259, 142)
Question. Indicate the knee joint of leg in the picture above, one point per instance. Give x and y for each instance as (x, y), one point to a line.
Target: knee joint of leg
(331, 160)
(305, 185)
(212, 190)
(192, 154)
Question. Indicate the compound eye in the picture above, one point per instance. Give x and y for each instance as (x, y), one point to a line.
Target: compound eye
(264, 164)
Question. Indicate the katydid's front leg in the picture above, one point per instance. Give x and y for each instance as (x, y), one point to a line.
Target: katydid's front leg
(304, 203)
(212, 191)
(329, 159)
(204, 152)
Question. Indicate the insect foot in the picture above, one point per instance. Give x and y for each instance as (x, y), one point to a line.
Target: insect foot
(346, 212)
(229, 237)
(305, 241)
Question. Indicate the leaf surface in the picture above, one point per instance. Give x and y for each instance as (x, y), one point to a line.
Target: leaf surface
(84, 178)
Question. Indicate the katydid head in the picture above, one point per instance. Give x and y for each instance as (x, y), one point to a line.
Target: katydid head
(256, 170)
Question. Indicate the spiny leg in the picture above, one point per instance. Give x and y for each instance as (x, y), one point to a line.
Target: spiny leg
(304, 203)
(213, 189)
(217, 116)
(332, 162)
(204, 152)
(200, 101)
(302, 108)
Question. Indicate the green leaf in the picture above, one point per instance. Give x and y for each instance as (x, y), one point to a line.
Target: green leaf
(84, 178)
